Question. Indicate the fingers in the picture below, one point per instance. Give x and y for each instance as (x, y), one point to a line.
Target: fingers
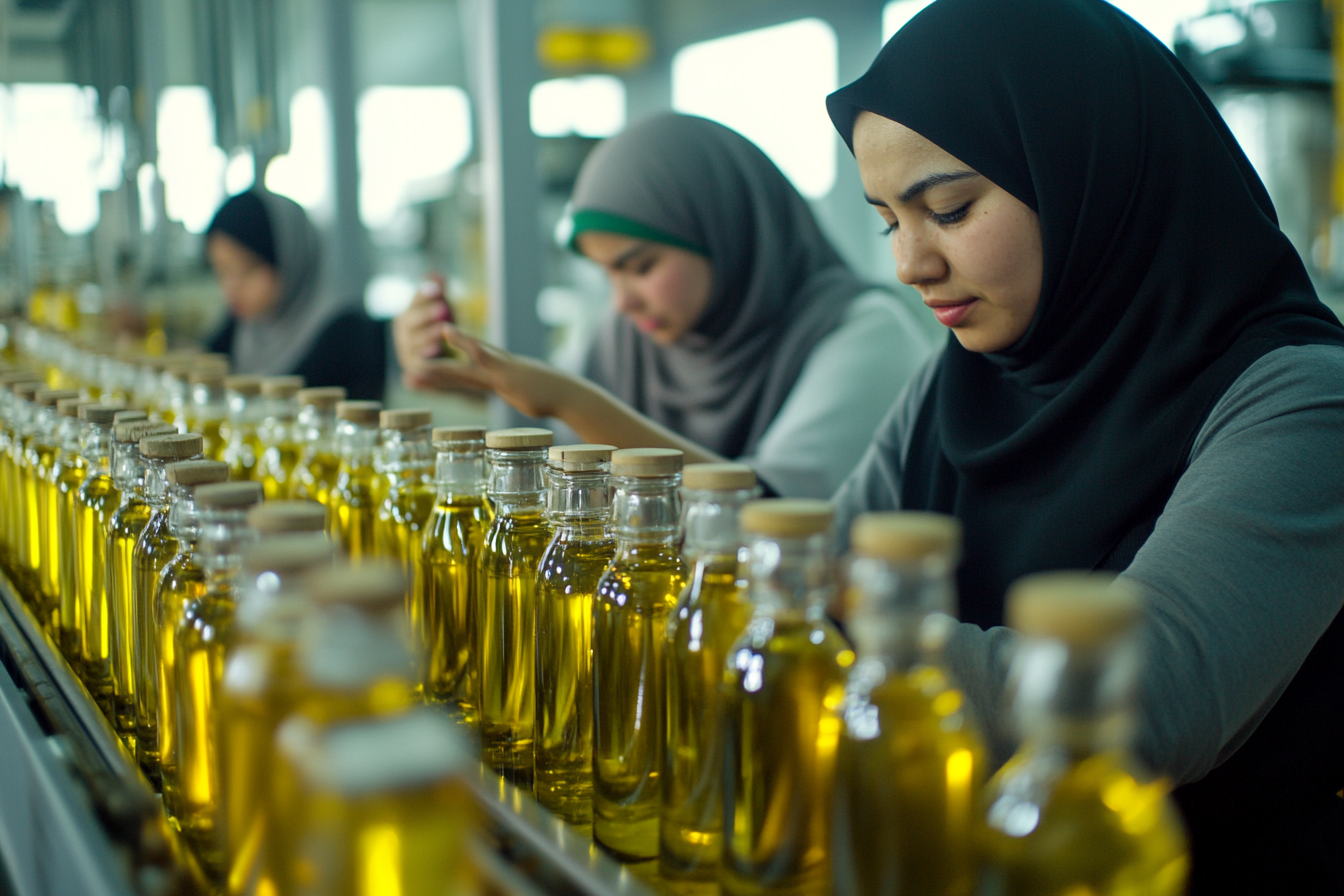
(444, 376)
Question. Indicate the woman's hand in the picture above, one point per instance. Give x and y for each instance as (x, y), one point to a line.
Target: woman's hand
(415, 331)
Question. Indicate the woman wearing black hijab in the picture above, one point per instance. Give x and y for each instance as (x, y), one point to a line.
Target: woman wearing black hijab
(1140, 379)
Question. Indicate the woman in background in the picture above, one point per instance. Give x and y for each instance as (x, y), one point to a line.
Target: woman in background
(267, 256)
(737, 331)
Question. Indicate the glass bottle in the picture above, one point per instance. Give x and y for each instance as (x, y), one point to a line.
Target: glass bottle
(207, 411)
(710, 615)
(635, 597)
(406, 460)
(68, 471)
(39, 496)
(246, 410)
(505, 621)
(1072, 811)
(181, 582)
(153, 550)
(123, 531)
(14, 410)
(171, 400)
(25, 551)
(275, 435)
(449, 567)
(578, 502)
(315, 433)
(352, 511)
(910, 764)
(783, 690)
(203, 636)
(259, 690)
(95, 501)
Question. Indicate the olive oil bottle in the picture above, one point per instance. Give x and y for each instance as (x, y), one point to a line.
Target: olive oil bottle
(67, 474)
(123, 531)
(406, 458)
(353, 508)
(450, 567)
(634, 599)
(910, 763)
(26, 550)
(1072, 811)
(784, 687)
(203, 636)
(505, 622)
(181, 582)
(315, 434)
(153, 550)
(207, 411)
(276, 437)
(579, 508)
(711, 613)
(16, 412)
(39, 494)
(242, 443)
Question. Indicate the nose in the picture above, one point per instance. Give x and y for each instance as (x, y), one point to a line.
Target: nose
(624, 297)
(917, 261)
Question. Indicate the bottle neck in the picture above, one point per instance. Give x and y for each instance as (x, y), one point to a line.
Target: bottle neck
(343, 649)
(128, 469)
(646, 511)
(517, 481)
(245, 410)
(315, 425)
(578, 500)
(789, 576)
(710, 523)
(901, 613)
(459, 471)
(182, 519)
(405, 456)
(219, 546)
(95, 443)
(1078, 699)
(356, 444)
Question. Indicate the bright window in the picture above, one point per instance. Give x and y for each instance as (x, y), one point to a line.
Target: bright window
(587, 105)
(190, 164)
(57, 149)
(304, 173)
(896, 13)
(770, 85)
(410, 140)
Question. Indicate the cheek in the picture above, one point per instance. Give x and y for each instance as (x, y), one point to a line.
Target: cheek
(1001, 256)
(668, 292)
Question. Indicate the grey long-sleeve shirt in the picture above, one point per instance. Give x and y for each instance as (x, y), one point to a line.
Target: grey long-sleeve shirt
(1244, 570)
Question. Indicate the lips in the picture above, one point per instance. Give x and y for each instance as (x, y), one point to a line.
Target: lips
(950, 314)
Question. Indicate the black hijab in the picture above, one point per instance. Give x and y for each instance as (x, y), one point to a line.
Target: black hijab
(1165, 277)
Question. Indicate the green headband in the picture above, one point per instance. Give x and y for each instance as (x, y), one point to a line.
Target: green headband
(591, 219)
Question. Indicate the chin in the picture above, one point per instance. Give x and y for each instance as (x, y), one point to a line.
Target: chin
(977, 341)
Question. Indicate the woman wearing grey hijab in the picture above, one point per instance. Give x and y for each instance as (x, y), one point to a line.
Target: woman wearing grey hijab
(267, 256)
(737, 331)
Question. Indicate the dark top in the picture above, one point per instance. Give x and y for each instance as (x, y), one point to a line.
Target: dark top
(351, 351)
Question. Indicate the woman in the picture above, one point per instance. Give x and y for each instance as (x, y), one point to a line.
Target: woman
(1140, 379)
(738, 332)
(267, 256)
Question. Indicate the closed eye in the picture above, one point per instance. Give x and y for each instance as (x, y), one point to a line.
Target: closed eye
(951, 217)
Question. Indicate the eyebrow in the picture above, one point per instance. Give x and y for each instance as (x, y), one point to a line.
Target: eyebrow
(921, 187)
(624, 258)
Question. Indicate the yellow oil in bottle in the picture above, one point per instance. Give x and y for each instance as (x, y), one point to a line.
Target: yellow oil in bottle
(40, 499)
(1071, 812)
(22, 561)
(579, 509)
(449, 567)
(276, 438)
(154, 549)
(711, 613)
(242, 442)
(353, 509)
(505, 622)
(634, 599)
(910, 763)
(67, 475)
(95, 501)
(181, 584)
(783, 692)
(315, 435)
(205, 412)
(405, 459)
(203, 635)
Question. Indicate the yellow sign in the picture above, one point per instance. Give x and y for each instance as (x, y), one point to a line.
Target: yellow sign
(569, 46)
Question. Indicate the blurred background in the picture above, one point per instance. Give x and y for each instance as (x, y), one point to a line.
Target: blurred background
(445, 135)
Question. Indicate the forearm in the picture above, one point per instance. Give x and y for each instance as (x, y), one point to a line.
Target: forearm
(601, 418)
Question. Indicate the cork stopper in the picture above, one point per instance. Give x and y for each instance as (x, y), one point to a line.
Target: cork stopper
(1082, 608)
(718, 477)
(364, 413)
(229, 495)
(522, 438)
(172, 447)
(787, 517)
(372, 587)
(213, 359)
(646, 462)
(98, 413)
(287, 516)
(129, 417)
(288, 554)
(197, 472)
(905, 536)
(574, 457)
(405, 419)
(26, 389)
(281, 386)
(47, 398)
(212, 377)
(451, 434)
(10, 377)
(69, 407)
(133, 432)
(243, 384)
(322, 397)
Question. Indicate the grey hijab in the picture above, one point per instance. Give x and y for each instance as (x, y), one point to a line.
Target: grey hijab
(278, 342)
(778, 285)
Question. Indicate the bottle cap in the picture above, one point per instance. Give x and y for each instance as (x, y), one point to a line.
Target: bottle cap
(134, 432)
(176, 446)
(646, 462)
(211, 377)
(232, 495)
(69, 407)
(405, 419)
(452, 434)
(287, 516)
(281, 386)
(905, 536)
(197, 472)
(26, 389)
(129, 416)
(365, 413)
(718, 476)
(98, 413)
(576, 457)
(521, 438)
(372, 587)
(243, 384)
(787, 517)
(288, 554)
(1079, 607)
(10, 377)
(47, 398)
(323, 397)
